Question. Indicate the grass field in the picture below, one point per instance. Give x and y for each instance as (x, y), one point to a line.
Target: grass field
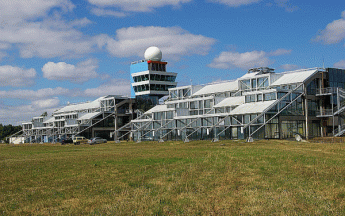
(173, 178)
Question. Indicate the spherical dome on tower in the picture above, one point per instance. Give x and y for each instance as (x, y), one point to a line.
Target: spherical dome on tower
(153, 53)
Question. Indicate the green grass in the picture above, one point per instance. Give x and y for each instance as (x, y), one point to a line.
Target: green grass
(173, 178)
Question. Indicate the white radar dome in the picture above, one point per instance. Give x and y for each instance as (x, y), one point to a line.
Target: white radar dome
(153, 53)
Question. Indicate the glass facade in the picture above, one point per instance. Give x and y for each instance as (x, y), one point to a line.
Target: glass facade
(336, 77)
(211, 115)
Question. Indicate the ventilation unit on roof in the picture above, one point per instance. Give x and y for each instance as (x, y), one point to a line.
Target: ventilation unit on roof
(261, 70)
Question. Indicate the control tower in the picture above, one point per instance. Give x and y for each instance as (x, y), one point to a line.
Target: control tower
(149, 78)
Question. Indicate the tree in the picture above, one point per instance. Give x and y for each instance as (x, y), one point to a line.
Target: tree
(7, 130)
(45, 114)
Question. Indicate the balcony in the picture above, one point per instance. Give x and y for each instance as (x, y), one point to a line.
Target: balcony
(326, 91)
(324, 113)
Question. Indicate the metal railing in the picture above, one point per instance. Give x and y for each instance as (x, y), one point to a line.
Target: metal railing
(325, 91)
(324, 112)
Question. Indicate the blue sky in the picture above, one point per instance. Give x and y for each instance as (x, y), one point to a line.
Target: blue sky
(53, 52)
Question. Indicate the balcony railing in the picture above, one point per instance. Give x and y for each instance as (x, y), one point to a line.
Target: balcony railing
(326, 91)
(324, 112)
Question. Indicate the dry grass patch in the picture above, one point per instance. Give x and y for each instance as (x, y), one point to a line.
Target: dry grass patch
(174, 178)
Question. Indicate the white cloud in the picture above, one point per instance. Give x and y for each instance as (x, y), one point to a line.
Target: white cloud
(289, 67)
(36, 28)
(235, 3)
(16, 76)
(47, 103)
(131, 6)
(279, 52)
(16, 115)
(286, 5)
(113, 87)
(47, 39)
(81, 22)
(334, 32)
(27, 94)
(46, 100)
(105, 12)
(339, 64)
(173, 41)
(81, 72)
(14, 11)
(245, 60)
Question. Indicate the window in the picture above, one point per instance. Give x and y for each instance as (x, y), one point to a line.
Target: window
(245, 84)
(169, 115)
(247, 99)
(252, 98)
(227, 109)
(259, 97)
(194, 105)
(281, 94)
(253, 83)
(246, 119)
(183, 105)
(207, 103)
(270, 96)
(220, 110)
(157, 116)
(193, 112)
(201, 105)
(262, 82)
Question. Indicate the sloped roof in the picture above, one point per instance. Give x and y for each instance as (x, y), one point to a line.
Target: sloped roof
(219, 87)
(49, 120)
(294, 77)
(231, 101)
(249, 75)
(89, 116)
(160, 108)
(247, 108)
(81, 106)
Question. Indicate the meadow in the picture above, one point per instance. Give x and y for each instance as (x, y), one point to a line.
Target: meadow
(275, 177)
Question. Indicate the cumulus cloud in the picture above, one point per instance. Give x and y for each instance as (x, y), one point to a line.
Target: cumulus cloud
(279, 52)
(113, 87)
(27, 94)
(289, 67)
(30, 26)
(17, 10)
(334, 32)
(79, 73)
(16, 76)
(339, 64)
(107, 12)
(118, 7)
(286, 5)
(245, 60)
(46, 100)
(235, 3)
(47, 39)
(47, 103)
(133, 41)
(81, 22)
(16, 115)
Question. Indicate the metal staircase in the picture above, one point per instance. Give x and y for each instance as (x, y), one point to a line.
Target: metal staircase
(281, 104)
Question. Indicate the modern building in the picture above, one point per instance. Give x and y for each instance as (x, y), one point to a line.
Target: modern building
(261, 104)
(96, 118)
(149, 78)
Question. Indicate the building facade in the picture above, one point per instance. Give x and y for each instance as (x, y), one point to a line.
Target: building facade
(96, 118)
(261, 104)
(149, 77)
